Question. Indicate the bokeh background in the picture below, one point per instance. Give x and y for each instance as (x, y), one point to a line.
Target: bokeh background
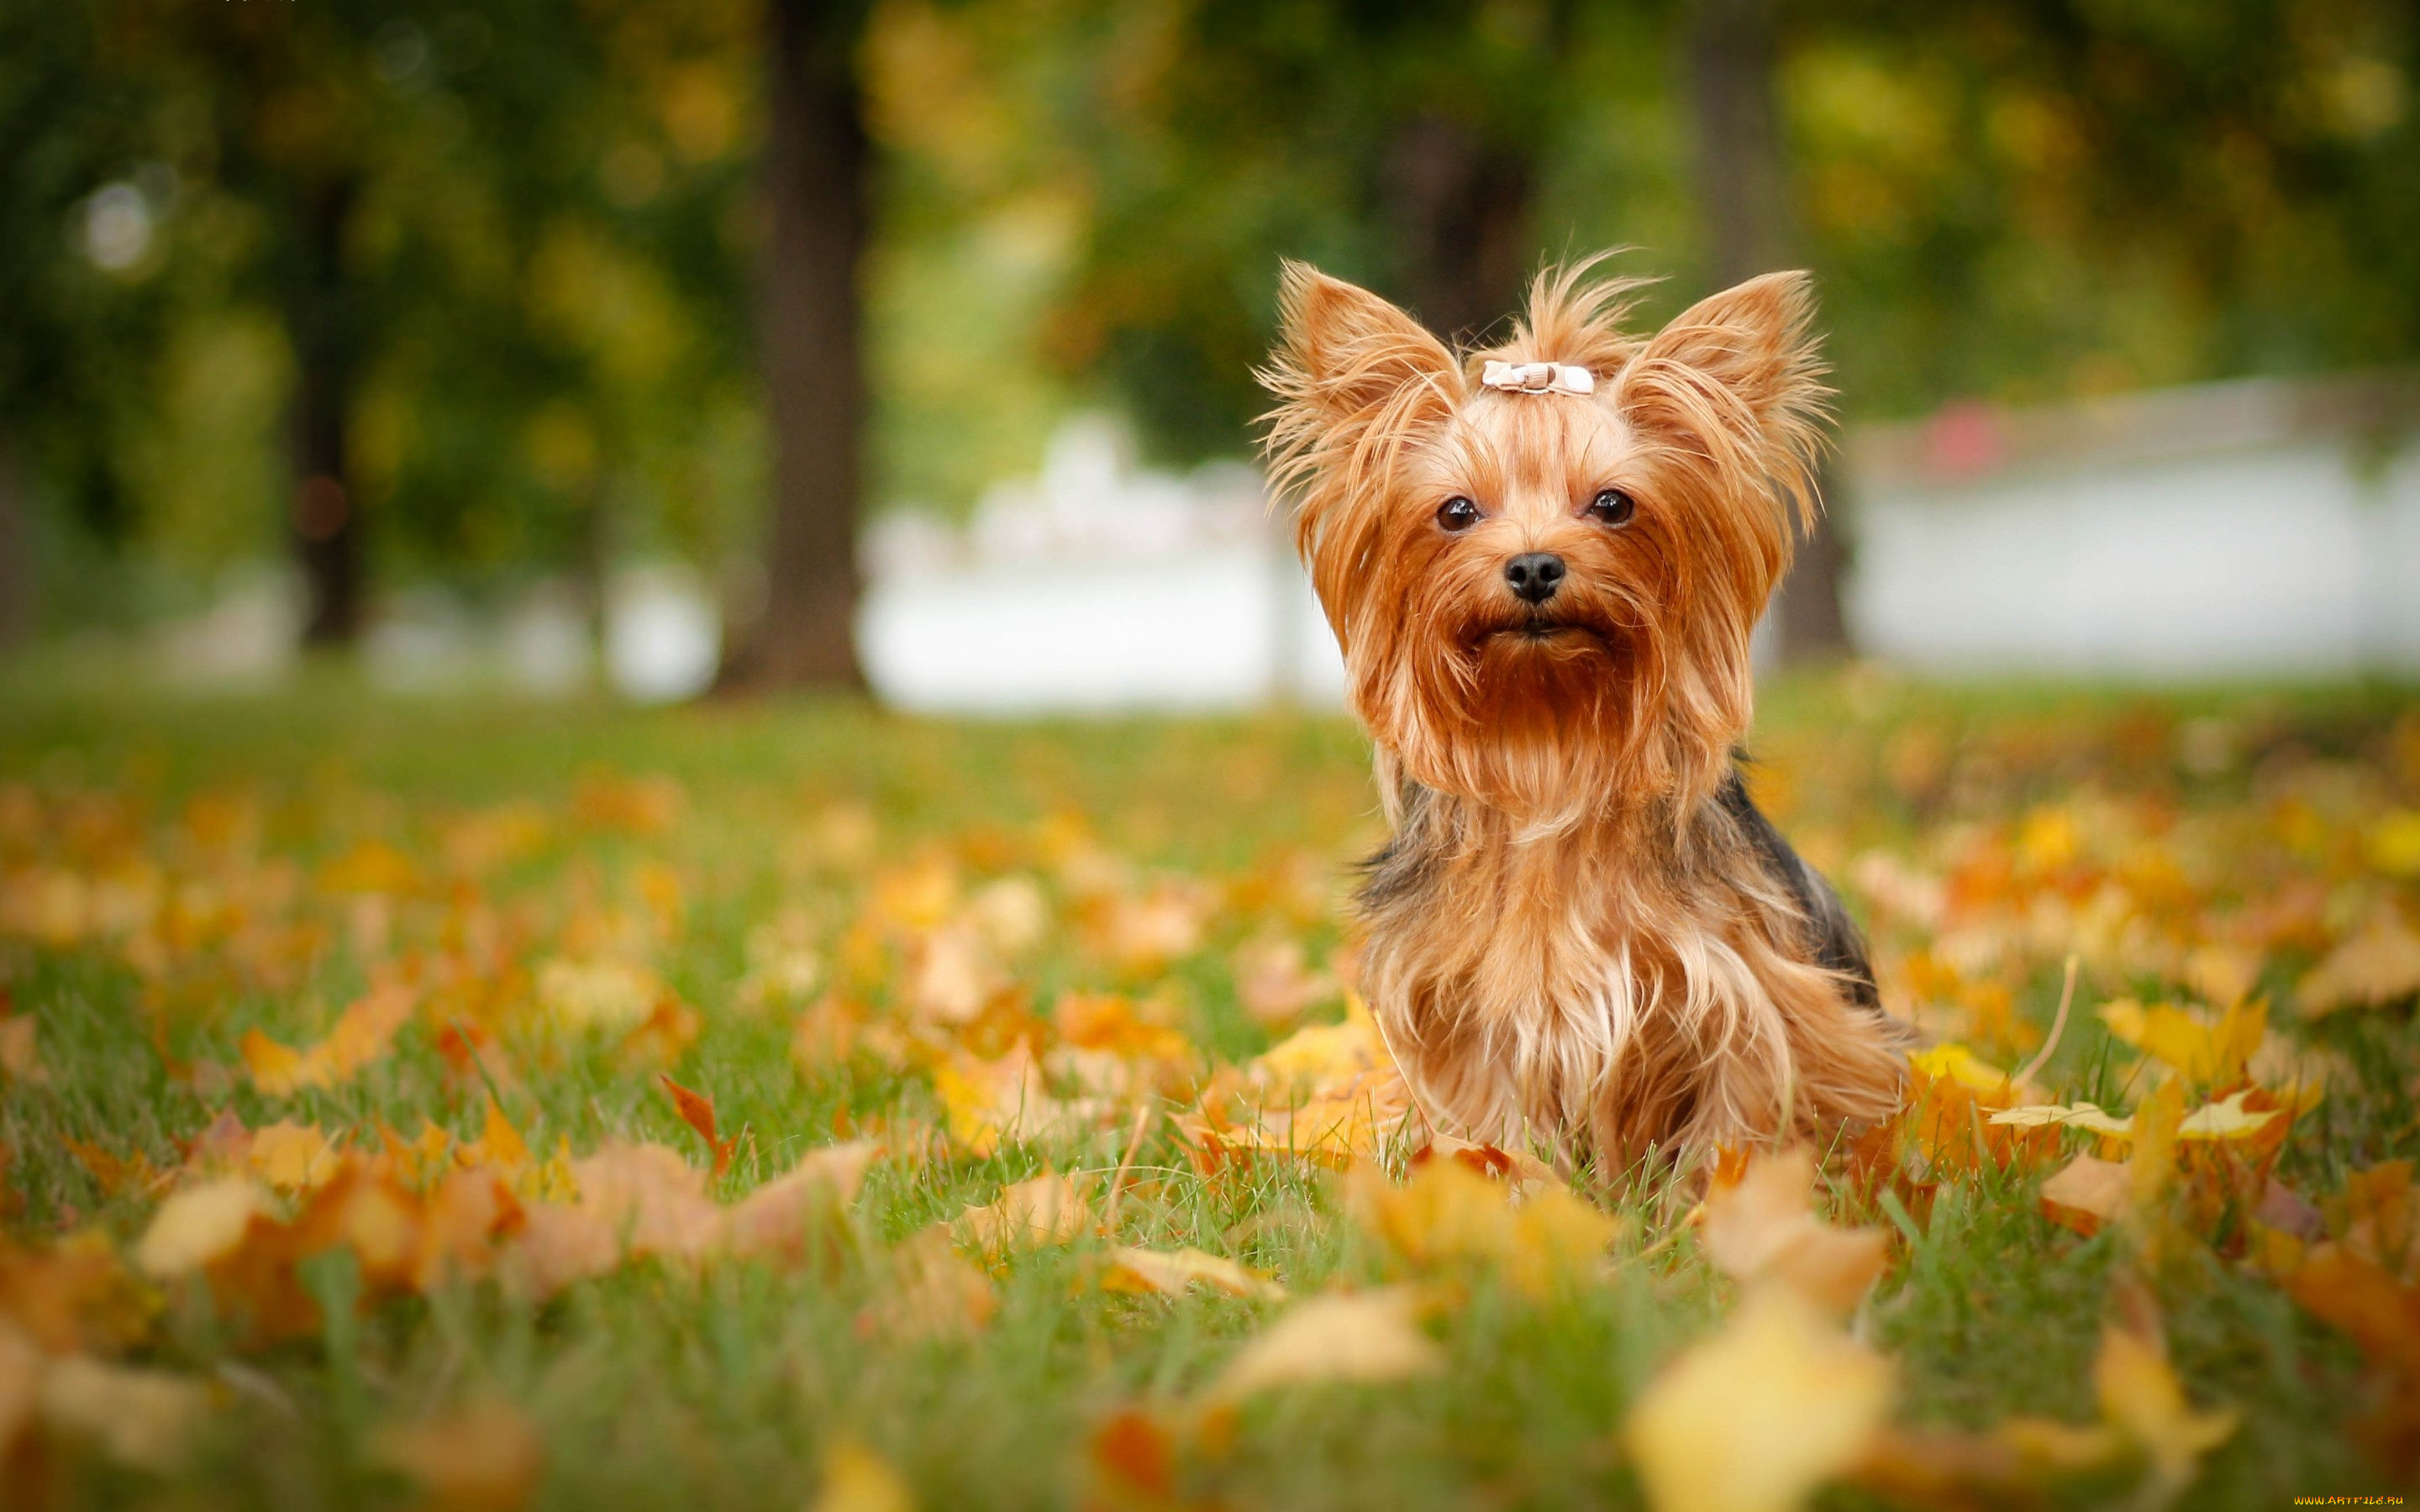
(576, 347)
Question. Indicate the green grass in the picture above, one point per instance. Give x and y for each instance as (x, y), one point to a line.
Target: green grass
(655, 1387)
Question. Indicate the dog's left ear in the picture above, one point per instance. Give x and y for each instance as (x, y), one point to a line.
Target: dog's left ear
(1746, 363)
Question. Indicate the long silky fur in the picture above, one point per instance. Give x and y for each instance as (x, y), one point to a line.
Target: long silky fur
(1572, 933)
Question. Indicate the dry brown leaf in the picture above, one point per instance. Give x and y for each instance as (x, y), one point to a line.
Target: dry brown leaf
(21, 1057)
(789, 1217)
(362, 1034)
(2085, 1193)
(1049, 1209)
(697, 1110)
(1173, 1272)
(1755, 1418)
(484, 1457)
(933, 1291)
(1346, 1336)
(1762, 1227)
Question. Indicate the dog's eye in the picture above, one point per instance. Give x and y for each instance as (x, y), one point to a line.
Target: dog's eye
(1612, 507)
(1457, 513)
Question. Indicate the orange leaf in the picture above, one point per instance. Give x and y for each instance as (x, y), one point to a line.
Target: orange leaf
(697, 1111)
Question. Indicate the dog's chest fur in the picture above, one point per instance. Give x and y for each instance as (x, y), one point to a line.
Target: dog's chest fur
(1632, 983)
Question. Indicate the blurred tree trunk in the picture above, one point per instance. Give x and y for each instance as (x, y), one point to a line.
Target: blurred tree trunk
(324, 522)
(1743, 181)
(816, 160)
(1460, 205)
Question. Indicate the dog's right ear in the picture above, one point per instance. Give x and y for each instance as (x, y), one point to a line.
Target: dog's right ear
(1345, 355)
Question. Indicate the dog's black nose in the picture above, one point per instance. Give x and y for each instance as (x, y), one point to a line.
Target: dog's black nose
(1535, 575)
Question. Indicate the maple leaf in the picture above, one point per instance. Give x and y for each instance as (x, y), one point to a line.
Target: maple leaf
(856, 1479)
(362, 1034)
(1049, 1209)
(1273, 984)
(607, 994)
(986, 1102)
(1447, 1213)
(486, 1456)
(117, 1176)
(1345, 1336)
(697, 1111)
(292, 1157)
(74, 1296)
(1761, 1227)
(1173, 1272)
(2232, 1117)
(2205, 1049)
(1755, 1418)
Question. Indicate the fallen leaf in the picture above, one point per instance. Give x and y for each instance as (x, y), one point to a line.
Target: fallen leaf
(1449, 1214)
(484, 1457)
(2142, 1398)
(856, 1479)
(198, 1226)
(803, 1213)
(292, 1157)
(1273, 984)
(1761, 1227)
(1046, 1210)
(21, 1057)
(362, 1034)
(2230, 1117)
(2208, 1050)
(697, 1110)
(1755, 1418)
(2085, 1193)
(2381, 964)
(1346, 1336)
(1173, 1272)
(933, 1291)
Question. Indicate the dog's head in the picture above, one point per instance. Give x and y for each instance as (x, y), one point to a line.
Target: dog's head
(1545, 561)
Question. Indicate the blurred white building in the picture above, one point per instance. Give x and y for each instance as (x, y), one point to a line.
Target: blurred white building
(2253, 529)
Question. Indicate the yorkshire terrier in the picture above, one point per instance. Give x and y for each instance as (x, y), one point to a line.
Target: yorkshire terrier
(1543, 561)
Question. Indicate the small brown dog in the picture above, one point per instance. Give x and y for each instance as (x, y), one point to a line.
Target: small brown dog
(1544, 562)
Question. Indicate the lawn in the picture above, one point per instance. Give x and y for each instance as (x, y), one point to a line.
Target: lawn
(479, 1105)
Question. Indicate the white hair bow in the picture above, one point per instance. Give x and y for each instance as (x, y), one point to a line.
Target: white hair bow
(1539, 377)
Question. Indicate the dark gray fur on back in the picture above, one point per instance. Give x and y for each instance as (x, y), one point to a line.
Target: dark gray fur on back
(1837, 944)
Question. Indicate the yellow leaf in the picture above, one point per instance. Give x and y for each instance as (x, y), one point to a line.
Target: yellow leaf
(1447, 1213)
(291, 1157)
(2205, 1050)
(2154, 1159)
(1172, 1272)
(198, 1226)
(2395, 842)
(2226, 1118)
(1364, 1336)
(1955, 1062)
(856, 1479)
(1046, 1210)
(2142, 1398)
(2078, 1116)
(1760, 1229)
(276, 1070)
(1755, 1418)
(485, 1457)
